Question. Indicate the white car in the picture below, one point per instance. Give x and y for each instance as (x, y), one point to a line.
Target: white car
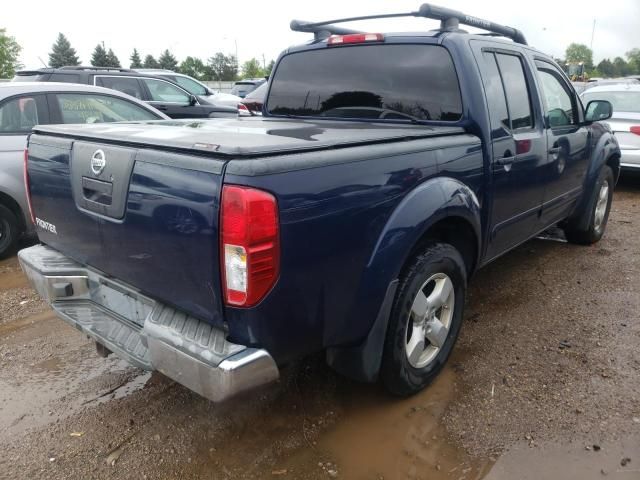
(625, 121)
(26, 104)
(194, 87)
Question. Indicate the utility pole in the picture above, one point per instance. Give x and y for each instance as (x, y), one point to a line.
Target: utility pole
(593, 31)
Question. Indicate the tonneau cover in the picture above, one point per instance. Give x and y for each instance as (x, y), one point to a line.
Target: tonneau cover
(247, 136)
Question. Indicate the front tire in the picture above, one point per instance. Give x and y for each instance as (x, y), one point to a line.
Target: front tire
(425, 320)
(600, 206)
(9, 232)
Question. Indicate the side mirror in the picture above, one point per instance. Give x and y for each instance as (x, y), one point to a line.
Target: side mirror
(192, 100)
(598, 110)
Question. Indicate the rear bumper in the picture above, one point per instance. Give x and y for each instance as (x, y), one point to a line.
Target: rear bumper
(146, 333)
(630, 159)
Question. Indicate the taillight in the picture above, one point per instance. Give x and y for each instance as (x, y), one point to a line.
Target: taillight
(635, 130)
(355, 38)
(26, 185)
(250, 244)
(243, 111)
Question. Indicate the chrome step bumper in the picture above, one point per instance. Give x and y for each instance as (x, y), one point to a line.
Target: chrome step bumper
(145, 332)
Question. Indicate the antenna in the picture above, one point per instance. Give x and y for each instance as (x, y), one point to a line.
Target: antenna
(42, 61)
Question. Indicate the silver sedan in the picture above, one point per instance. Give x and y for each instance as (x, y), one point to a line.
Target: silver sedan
(625, 121)
(24, 105)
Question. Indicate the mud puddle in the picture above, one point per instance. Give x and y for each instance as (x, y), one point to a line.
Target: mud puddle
(41, 383)
(380, 436)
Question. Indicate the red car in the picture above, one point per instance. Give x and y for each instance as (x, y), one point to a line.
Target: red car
(252, 103)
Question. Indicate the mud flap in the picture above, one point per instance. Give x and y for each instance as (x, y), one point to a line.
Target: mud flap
(362, 362)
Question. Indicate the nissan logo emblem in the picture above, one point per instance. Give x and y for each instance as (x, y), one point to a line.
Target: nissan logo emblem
(98, 162)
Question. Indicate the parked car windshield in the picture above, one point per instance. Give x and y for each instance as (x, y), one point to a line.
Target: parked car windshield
(412, 82)
(621, 101)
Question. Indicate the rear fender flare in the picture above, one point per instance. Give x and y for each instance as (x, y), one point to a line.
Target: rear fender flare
(429, 203)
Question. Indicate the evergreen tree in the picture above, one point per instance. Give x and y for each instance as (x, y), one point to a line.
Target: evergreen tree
(99, 56)
(222, 67)
(168, 61)
(112, 60)
(136, 62)
(150, 62)
(62, 53)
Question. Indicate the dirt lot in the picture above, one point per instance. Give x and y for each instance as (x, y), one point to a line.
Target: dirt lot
(544, 384)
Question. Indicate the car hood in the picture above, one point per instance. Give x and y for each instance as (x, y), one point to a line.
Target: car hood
(249, 136)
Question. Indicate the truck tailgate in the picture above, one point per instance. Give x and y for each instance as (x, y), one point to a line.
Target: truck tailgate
(146, 217)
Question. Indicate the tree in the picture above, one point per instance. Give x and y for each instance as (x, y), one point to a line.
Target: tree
(620, 67)
(135, 59)
(168, 61)
(9, 53)
(251, 69)
(269, 69)
(605, 67)
(222, 67)
(99, 56)
(194, 67)
(62, 53)
(112, 60)
(150, 62)
(578, 52)
(633, 56)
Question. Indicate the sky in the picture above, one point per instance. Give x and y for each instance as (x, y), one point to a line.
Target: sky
(260, 28)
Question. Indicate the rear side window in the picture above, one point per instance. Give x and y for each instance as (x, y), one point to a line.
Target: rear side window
(92, 108)
(65, 77)
(496, 97)
(412, 82)
(515, 86)
(18, 115)
(130, 86)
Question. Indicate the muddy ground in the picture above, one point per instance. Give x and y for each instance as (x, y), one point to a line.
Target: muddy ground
(544, 384)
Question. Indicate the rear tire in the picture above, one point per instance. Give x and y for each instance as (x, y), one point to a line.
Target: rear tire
(600, 206)
(9, 232)
(425, 320)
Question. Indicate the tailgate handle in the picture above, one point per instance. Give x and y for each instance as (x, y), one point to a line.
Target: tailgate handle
(97, 190)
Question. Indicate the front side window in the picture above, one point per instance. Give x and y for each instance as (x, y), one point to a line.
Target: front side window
(18, 115)
(162, 91)
(515, 86)
(127, 85)
(92, 108)
(191, 86)
(400, 82)
(557, 99)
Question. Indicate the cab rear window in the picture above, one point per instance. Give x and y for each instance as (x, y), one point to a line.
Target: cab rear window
(392, 82)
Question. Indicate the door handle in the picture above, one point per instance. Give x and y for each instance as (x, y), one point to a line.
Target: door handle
(506, 161)
(160, 107)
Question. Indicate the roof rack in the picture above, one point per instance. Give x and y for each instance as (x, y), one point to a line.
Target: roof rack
(110, 69)
(450, 21)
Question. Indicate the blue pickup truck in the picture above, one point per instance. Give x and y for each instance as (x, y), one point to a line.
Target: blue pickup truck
(385, 170)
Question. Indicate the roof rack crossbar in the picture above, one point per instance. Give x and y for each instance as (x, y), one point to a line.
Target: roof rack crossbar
(450, 20)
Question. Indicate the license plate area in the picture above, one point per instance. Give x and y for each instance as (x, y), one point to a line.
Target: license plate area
(121, 301)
